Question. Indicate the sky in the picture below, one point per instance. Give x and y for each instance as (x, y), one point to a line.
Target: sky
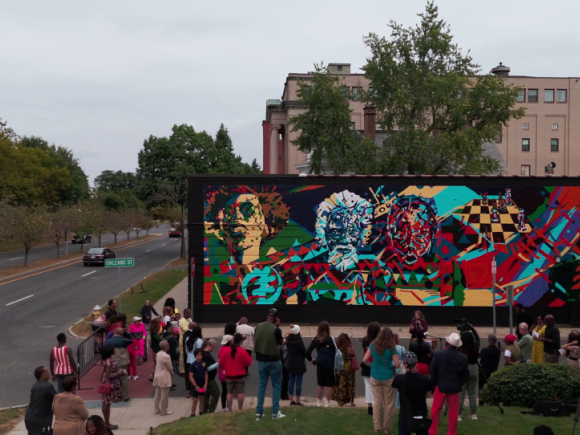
(101, 77)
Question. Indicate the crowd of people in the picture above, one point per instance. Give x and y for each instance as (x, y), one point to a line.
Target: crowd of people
(393, 376)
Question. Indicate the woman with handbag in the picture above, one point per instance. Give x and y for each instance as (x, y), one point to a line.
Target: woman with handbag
(413, 390)
(325, 349)
(110, 386)
(385, 362)
(343, 392)
(372, 332)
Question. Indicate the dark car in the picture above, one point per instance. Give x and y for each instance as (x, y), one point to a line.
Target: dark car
(174, 232)
(97, 256)
(81, 239)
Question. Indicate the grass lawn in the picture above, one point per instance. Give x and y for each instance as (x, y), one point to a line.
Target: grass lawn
(9, 418)
(336, 421)
(156, 287)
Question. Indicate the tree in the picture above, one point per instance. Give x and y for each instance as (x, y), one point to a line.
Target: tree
(114, 220)
(88, 220)
(61, 220)
(142, 222)
(24, 224)
(433, 102)
(325, 128)
(127, 222)
(110, 181)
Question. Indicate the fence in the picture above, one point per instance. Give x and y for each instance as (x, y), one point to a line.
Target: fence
(89, 352)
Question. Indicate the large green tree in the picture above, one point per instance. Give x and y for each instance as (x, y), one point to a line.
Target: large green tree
(433, 100)
(26, 225)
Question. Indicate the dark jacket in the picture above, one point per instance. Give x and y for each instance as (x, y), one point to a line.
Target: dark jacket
(147, 312)
(315, 344)
(110, 312)
(449, 370)
(295, 360)
(173, 346)
(490, 357)
(422, 349)
(39, 411)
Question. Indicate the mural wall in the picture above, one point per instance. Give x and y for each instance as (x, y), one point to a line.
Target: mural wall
(381, 245)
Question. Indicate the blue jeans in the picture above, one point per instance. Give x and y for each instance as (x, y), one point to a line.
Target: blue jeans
(271, 370)
(292, 378)
(403, 431)
(59, 379)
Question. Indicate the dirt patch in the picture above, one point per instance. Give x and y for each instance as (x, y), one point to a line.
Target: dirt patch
(178, 262)
(9, 418)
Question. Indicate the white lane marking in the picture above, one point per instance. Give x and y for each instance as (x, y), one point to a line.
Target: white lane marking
(148, 250)
(19, 300)
(17, 258)
(164, 244)
(87, 274)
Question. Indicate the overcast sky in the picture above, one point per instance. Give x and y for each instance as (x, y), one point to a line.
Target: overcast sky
(100, 77)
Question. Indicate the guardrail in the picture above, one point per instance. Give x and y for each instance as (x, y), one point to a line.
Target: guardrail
(89, 352)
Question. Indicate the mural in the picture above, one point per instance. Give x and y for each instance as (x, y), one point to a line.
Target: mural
(380, 245)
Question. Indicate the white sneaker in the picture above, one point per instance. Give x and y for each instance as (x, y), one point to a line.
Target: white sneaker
(473, 416)
(260, 416)
(135, 377)
(277, 416)
(319, 403)
(326, 403)
(459, 418)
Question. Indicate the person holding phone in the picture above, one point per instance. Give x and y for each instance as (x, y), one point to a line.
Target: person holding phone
(419, 325)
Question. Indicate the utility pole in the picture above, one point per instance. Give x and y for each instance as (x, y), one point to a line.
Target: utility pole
(510, 302)
(493, 272)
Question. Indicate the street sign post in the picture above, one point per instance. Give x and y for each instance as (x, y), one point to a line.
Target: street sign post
(119, 263)
(493, 272)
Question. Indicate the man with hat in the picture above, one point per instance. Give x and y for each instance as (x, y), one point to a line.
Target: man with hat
(449, 371)
(413, 390)
(512, 354)
(266, 341)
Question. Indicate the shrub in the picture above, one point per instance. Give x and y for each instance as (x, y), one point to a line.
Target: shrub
(526, 384)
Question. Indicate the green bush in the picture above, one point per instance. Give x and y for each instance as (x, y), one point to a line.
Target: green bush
(526, 384)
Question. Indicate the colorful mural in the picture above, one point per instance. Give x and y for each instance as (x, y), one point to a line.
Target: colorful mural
(381, 245)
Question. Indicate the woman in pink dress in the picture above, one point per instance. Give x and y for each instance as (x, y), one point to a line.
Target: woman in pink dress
(138, 332)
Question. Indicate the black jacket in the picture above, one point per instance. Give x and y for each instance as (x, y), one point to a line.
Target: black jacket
(449, 370)
(490, 357)
(315, 344)
(422, 349)
(295, 361)
(39, 412)
(173, 346)
(147, 312)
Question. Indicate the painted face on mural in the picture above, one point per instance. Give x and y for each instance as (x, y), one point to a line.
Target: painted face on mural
(343, 225)
(412, 223)
(242, 222)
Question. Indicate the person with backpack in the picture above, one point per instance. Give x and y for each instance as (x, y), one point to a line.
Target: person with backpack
(295, 363)
(325, 350)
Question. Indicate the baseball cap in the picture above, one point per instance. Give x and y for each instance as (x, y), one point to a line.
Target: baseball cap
(273, 312)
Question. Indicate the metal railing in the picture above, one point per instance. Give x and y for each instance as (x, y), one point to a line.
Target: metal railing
(89, 352)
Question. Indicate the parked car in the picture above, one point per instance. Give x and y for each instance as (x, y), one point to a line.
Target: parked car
(81, 239)
(174, 232)
(97, 256)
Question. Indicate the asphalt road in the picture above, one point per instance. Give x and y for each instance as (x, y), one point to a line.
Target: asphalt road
(16, 258)
(34, 310)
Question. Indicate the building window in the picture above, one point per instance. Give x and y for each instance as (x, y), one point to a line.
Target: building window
(525, 144)
(345, 91)
(356, 93)
(548, 95)
(372, 92)
(525, 170)
(562, 95)
(526, 126)
(499, 135)
(554, 126)
(378, 126)
(532, 95)
(554, 145)
(521, 96)
(352, 126)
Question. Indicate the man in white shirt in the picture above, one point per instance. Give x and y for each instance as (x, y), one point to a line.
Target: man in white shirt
(248, 332)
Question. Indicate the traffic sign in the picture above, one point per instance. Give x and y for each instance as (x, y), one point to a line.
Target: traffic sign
(120, 262)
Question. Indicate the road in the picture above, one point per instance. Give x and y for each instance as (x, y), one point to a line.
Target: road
(35, 309)
(16, 258)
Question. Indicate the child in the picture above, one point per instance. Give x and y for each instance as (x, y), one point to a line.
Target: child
(198, 378)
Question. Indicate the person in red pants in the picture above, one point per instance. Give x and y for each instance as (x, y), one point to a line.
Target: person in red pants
(449, 371)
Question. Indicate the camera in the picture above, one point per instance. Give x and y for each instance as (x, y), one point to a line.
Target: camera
(462, 324)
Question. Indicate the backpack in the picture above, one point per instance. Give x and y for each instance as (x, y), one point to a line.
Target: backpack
(338, 361)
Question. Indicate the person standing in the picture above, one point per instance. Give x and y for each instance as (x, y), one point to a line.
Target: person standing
(419, 325)
(551, 341)
(70, 412)
(572, 350)
(235, 363)
(138, 334)
(155, 337)
(525, 343)
(424, 353)
(470, 348)
(198, 379)
(248, 332)
(147, 312)
(62, 362)
(344, 390)
(489, 361)
(413, 390)
(162, 380)
(192, 341)
(400, 351)
(227, 341)
(38, 418)
(449, 371)
(522, 316)
(512, 354)
(325, 349)
(285, 376)
(267, 339)
(122, 357)
(383, 369)
(212, 394)
(372, 332)
(183, 328)
(295, 364)
(111, 375)
(537, 333)
(112, 310)
(173, 346)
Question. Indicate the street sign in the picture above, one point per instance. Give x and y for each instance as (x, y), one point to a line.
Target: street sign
(120, 262)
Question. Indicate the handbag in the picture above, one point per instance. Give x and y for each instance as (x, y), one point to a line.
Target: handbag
(353, 361)
(105, 388)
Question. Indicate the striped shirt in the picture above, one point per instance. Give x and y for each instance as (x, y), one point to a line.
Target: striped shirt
(61, 361)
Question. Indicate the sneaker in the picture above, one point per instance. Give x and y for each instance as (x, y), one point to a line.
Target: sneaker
(135, 377)
(278, 415)
(226, 410)
(459, 418)
(326, 403)
(298, 404)
(473, 416)
(319, 403)
(293, 403)
(193, 415)
(259, 417)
